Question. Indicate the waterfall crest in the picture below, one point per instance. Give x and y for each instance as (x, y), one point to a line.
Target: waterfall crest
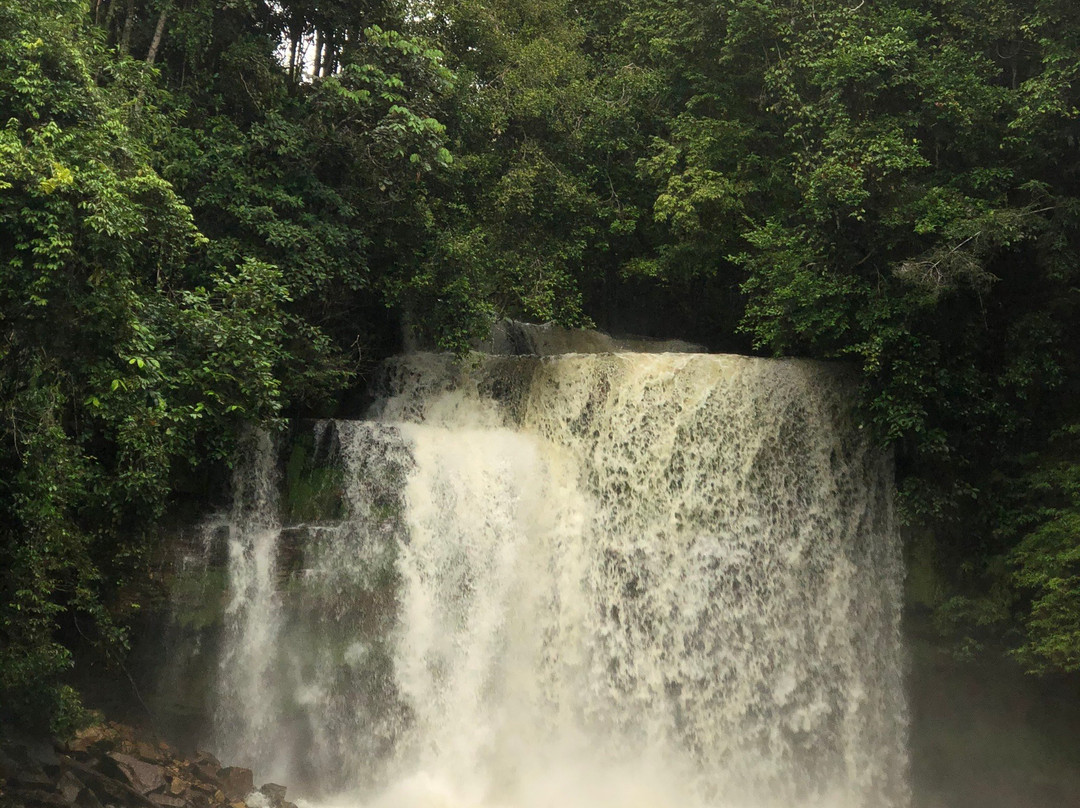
(581, 580)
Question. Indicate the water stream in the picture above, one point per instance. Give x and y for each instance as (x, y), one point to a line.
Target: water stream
(603, 581)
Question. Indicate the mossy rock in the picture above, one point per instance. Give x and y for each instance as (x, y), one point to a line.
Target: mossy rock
(313, 482)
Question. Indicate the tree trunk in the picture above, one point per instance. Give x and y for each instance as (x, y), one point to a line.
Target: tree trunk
(318, 55)
(110, 15)
(328, 58)
(293, 42)
(155, 43)
(129, 23)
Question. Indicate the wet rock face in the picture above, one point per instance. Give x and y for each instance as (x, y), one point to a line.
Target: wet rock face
(107, 765)
(515, 338)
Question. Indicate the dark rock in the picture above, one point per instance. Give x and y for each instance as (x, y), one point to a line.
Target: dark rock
(168, 801)
(36, 796)
(515, 338)
(202, 756)
(143, 777)
(236, 782)
(148, 753)
(207, 772)
(8, 766)
(87, 799)
(109, 766)
(43, 754)
(273, 792)
(69, 787)
(21, 760)
(107, 788)
(30, 777)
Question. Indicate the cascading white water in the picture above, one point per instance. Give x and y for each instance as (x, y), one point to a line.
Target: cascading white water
(253, 613)
(608, 580)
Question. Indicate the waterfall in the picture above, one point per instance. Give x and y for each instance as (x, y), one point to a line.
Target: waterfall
(608, 580)
(253, 612)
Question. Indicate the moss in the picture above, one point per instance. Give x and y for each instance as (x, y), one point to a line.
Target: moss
(199, 597)
(313, 492)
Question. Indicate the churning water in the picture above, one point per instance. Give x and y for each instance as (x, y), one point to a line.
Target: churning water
(582, 581)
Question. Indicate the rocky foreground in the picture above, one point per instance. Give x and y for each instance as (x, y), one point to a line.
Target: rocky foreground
(107, 765)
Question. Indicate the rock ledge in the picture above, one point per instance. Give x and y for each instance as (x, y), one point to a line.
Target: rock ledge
(108, 765)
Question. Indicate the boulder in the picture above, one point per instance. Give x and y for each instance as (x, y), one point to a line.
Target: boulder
(205, 757)
(273, 792)
(43, 755)
(36, 797)
(109, 790)
(87, 799)
(108, 765)
(69, 787)
(207, 771)
(148, 753)
(144, 777)
(168, 801)
(236, 782)
(29, 776)
(107, 779)
(29, 764)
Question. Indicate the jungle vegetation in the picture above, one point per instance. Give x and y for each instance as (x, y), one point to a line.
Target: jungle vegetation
(219, 212)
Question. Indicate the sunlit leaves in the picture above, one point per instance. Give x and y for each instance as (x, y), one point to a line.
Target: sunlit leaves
(115, 373)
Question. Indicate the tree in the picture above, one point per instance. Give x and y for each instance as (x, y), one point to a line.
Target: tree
(115, 370)
(894, 184)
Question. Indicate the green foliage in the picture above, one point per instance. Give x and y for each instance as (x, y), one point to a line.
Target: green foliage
(1046, 563)
(117, 368)
(217, 213)
(325, 183)
(893, 184)
(542, 202)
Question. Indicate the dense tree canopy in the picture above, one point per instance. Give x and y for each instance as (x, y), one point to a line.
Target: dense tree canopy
(214, 212)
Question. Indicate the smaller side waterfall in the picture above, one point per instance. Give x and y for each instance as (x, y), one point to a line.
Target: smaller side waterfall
(607, 580)
(305, 693)
(244, 719)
